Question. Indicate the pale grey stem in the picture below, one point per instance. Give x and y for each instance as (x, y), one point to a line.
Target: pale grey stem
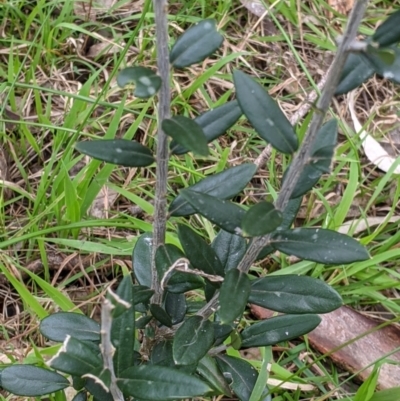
(107, 349)
(303, 155)
(164, 109)
(321, 108)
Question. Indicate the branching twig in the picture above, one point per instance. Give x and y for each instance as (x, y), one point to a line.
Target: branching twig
(160, 204)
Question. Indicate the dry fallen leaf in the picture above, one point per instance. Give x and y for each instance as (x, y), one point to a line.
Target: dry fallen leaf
(374, 151)
(360, 225)
(102, 49)
(256, 7)
(341, 6)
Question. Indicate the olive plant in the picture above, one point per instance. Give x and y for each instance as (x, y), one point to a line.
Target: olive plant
(153, 342)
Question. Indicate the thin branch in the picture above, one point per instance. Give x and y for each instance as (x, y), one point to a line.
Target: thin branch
(164, 107)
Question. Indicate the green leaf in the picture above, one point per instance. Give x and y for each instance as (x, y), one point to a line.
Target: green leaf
(241, 374)
(234, 293)
(289, 215)
(199, 253)
(161, 354)
(117, 151)
(176, 282)
(76, 358)
(197, 43)
(31, 381)
(278, 329)
(367, 389)
(388, 71)
(141, 259)
(175, 306)
(388, 32)
(221, 332)
(81, 396)
(224, 185)
(229, 248)
(294, 294)
(187, 133)
(161, 315)
(208, 369)
(225, 214)
(320, 160)
(214, 123)
(264, 114)
(147, 82)
(261, 219)
(193, 340)
(159, 383)
(389, 394)
(123, 329)
(355, 72)
(141, 294)
(98, 391)
(57, 326)
(319, 245)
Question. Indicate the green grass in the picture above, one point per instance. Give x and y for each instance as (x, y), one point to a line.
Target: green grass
(73, 98)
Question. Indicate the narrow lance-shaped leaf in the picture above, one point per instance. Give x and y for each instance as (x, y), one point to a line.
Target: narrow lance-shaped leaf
(264, 114)
(278, 329)
(224, 185)
(199, 253)
(214, 123)
(320, 159)
(197, 43)
(230, 249)
(294, 294)
(233, 297)
(388, 32)
(390, 71)
(58, 326)
(141, 258)
(240, 374)
(31, 381)
(187, 133)
(160, 314)
(208, 369)
(117, 151)
(147, 82)
(223, 213)
(192, 340)
(261, 219)
(159, 383)
(319, 245)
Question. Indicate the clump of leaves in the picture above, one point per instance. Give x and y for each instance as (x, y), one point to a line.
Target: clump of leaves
(182, 350)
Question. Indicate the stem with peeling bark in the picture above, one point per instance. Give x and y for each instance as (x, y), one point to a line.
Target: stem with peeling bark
(164, 109)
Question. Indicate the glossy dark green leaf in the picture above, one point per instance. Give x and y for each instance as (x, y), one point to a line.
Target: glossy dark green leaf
(224, 185)
(161, 354)
(229, 248)
(264, 114)
(102, 376)
(209, 371)
(261, 219)
(320, 160)
(355, 72)
(233, 296)
(319, 245)
(98, 392)
(141, 259)
(141, 294)
(117, 151)
(388, 32)
(81, 396)
(221, 332)
(240, 375)
(199, 253)
(214, 123)
(147, 83)
(225, 214)
(123, 328)
(159, 383)
(175, 306)
(289, 216)
(277, 329)
(76, 358)
(176, 282)
(187, 133)
(294, 294)
(57, 326)
(195, 44)
(142, 322)
(31, 381)
(385, 70)
(161, 315)
(193, 340)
